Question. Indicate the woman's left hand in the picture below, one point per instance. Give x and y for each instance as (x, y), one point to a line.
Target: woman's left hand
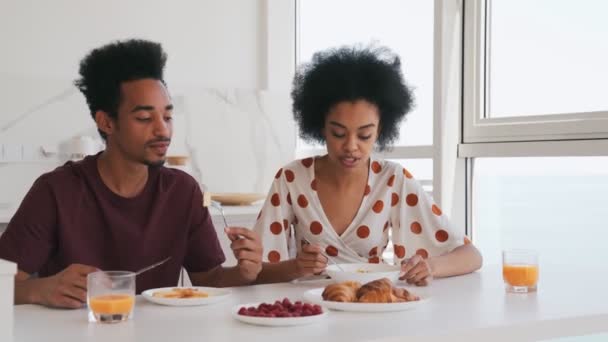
(416, 270)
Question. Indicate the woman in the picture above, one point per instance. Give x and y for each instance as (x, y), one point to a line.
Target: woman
(343, 204)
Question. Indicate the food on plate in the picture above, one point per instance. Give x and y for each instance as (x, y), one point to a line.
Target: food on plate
(181, 293)
(342, 292)
(377, 291)
(284, 308)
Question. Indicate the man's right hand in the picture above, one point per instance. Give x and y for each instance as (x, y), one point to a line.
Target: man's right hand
(66, 289)
(310, 260)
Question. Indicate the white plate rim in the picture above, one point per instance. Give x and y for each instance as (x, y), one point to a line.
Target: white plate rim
(276, 321)
(314, 296)
(215, 295)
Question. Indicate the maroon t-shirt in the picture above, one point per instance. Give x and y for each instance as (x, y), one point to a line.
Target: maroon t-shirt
(70, 216)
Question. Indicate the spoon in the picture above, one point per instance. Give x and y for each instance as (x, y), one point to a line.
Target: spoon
(140, 271)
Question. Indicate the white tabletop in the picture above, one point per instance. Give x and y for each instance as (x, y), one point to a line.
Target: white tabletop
(570, 301)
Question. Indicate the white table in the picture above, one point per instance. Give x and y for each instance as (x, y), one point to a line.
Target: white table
(570, 301)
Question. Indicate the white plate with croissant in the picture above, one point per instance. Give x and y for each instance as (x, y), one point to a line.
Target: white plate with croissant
(186, 296)
(376, 296)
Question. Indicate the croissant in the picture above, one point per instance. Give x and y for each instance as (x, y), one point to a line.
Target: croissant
(403, 295)
(342, 292)
(377, 291)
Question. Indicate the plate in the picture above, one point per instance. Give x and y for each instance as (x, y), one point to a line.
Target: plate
(236, 198)
(316, 297)
(363, 273)
(215, 295)
(276, 321)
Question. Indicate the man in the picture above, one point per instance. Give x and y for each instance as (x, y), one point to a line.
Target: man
(120, 209)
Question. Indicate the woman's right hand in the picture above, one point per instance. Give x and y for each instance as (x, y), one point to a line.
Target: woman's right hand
(310, 260)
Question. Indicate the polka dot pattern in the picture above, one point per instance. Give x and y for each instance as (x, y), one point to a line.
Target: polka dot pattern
(400, 251)
(423, 253)
(441, 235)
(363, 232)
(307, 162)
(302, 201)
(289, 198)
(374, 260)
(316, 228)
(285, 224)
(436, 210)
(331, 251)
(289, 176)
(416, 227)
(368, 189)
(274, 256)
(394, 199)
(275, 200)
(411, 200)
(373, 251)
(378, 206)
(376, 167)
(391, 181)
(276, 228)
(313, 184)
(278, 173)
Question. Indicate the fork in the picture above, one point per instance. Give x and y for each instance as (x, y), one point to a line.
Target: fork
(327, 256)
(218, 206)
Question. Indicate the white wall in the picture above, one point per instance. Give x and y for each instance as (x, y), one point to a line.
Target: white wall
(220, 44)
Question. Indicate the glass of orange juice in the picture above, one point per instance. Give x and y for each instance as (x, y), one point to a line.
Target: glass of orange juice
(520, 270)
(110, 296)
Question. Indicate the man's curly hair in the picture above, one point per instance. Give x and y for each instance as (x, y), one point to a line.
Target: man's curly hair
(104, 69)
(351, 73)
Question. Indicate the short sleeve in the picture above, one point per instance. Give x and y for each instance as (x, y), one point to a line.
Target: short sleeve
(204, 251)
(31, 235)
(275, 219)
(419, 225)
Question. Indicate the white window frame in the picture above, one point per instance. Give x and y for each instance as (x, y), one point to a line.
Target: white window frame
(568, 134)
(480, 128)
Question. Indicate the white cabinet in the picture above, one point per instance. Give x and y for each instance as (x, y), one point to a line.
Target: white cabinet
(7, 284)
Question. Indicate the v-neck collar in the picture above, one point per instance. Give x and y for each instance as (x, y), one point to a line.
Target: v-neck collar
(356, 218)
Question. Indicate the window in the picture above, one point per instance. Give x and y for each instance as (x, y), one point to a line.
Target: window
(553, 61)
(535, 70)
(555, 205)
(535, 127)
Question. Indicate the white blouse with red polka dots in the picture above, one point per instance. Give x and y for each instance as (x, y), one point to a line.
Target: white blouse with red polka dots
(393, 200)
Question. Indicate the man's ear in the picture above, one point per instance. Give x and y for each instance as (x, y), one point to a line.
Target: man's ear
(105, 122)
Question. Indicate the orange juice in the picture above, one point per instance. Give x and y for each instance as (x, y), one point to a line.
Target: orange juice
(520, 275)
(112, 304)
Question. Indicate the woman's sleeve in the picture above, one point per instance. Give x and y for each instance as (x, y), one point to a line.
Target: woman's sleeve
(419, 225)
(274, 221)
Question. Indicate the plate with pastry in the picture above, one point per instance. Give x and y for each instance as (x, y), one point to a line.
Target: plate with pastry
(375, 296)
(363, 273)
(280, 313)
(186, 296)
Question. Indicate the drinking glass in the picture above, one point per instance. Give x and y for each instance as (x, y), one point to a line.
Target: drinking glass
(110, 296)
(520, 270)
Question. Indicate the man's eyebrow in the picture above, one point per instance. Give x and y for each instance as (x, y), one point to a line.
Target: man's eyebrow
(148, 108)
(142, 108)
